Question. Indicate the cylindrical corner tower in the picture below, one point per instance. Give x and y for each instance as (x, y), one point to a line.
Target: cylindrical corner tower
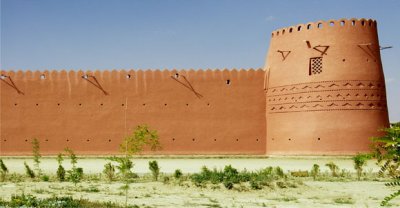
(325, 88)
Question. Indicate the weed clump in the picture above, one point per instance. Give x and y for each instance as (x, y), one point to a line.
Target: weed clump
(230, 176)
(155, 170)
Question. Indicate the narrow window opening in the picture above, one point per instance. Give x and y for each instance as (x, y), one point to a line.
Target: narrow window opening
(215, 140)
(165, 104)
(122, 104)
(42, 76)
(331, 24)
(342, 23)
(290, 30)
(15, 104)
(187, 104)
(257, 140)
(319, 138)
(26, 140)
(309, 26)
(353, 23)
(362, 23)
(193, 139)
(173, 139)
(109, 140)
(144, 104)
(128, 76)
(58, 104)
(87, 140)
(80, 104)
(228, 81)
(176, 75)
(343, 60)
(37, 104)
(319, 25)
(290, 139)
(299, 28)
(101, 104)
(85, 76)
(277, 33)
(237, 140)
(283, 32)
(47, 140)
(67, 140)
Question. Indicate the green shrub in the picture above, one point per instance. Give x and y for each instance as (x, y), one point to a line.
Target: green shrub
(60, 170)
(45, 178)
(254, 184)
(60, 173)
(109, 171)
(178, 174)
(279, 172)
(228, 184)
(55, 202)
(155, 170)
(75, 175)
(36, 155)
(315, 171)
(360, 160)
(29, 172)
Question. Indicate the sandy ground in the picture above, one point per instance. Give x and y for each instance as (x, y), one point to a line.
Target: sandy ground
(192, 165)
(157, 194)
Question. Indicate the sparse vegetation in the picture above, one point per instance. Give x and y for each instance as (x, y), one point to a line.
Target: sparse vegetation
(360, 160)
(76, 173)
(36, 156)
(60, 169)
(178, 174)
(315, 171)
(3, 171)
(109, 171)
(333, 168)
(29, 172)
(155, 170)
(54, 202)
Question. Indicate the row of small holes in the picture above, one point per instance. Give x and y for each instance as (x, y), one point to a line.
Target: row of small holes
(101, 104)
(88, 140)
(319, 25)
(173, 139)
(291, 139)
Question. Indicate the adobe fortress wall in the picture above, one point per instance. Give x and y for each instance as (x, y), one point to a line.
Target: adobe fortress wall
(194, 111)
(325, 88)
(321, 92)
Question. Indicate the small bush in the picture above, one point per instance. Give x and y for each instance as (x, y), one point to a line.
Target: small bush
(155, 170)
(315, 171)
(360, 160)
(60, 173)
(75, 175)
(228, 184)
(109, 171)
(45, 178)
(3, 171)
(178, 174)
(334, 168)
(29, 172)
(166, 180)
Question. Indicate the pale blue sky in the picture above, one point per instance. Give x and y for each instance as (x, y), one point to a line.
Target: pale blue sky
(183, 34)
